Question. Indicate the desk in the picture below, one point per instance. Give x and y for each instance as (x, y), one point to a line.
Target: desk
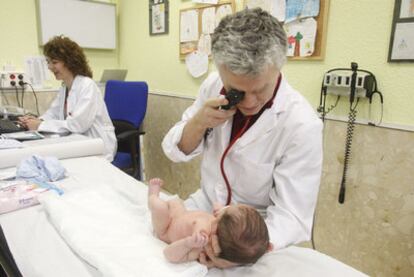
(72, 146)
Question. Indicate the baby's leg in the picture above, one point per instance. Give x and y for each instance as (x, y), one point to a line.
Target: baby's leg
(159, 208)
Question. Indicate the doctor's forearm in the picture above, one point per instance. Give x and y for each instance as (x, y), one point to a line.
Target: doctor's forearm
(192, 136)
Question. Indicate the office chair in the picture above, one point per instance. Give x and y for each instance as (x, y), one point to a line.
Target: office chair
(127, 103)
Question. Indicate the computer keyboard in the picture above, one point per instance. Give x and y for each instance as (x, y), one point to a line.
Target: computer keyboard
(8, 126)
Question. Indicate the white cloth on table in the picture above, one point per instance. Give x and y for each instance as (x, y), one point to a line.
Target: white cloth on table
(112, 234)
(43, 252)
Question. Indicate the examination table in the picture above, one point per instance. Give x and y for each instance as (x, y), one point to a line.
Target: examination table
(101, 227)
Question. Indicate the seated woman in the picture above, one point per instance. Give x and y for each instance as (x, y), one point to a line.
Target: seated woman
(79, 106)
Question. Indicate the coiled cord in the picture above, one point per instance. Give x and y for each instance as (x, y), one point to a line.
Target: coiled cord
(348, 144)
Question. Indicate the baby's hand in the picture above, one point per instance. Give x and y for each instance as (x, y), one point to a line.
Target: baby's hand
(197, 240)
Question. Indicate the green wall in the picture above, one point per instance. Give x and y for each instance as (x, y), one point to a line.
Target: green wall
(358, 30)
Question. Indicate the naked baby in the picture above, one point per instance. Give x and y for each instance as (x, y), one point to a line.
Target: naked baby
(242, 233)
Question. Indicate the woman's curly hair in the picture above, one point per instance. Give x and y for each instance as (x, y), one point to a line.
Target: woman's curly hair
(64, 49)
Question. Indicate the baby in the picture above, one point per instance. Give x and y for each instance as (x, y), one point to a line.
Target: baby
(241, 231)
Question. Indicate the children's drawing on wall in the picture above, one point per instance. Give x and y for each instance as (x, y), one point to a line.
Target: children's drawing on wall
(188, 31)
(277, 8)
(296, 9)
(304, 21)
(407, 9)
(301, 37)
(208, 17)
(206, 1)
(264, 4)
(222, 11)
(197, 63)
(197, 25)
(189, 26)
(204, 44)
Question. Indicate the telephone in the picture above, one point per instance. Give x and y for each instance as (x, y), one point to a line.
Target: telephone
(355, 83)
(234, 97)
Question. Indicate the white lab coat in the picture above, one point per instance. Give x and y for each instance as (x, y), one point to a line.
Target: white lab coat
(275, 166)
(86, 114)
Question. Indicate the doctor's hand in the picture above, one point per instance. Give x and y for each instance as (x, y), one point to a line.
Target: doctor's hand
(210, 257)
(32, 123)
(22, 120)
(26, 117)
(210, 116)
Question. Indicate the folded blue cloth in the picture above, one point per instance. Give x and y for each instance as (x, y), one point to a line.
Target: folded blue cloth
(41, 170)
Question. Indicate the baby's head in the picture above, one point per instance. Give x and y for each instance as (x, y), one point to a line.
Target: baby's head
(242, 234)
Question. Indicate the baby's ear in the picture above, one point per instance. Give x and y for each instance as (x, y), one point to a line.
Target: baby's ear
(270, 247)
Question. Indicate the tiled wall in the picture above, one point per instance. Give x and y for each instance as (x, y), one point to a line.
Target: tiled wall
(162, 113)
(44, 99)
(372, 231)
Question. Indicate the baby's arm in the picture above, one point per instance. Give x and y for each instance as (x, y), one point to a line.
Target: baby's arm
(186, 249)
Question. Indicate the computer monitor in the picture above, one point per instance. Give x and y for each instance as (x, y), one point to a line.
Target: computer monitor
(113, 74)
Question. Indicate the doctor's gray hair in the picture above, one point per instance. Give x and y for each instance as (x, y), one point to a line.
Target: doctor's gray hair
(248, 41)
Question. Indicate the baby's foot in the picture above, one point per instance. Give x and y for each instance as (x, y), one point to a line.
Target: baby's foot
(197, 240)
(154, 186)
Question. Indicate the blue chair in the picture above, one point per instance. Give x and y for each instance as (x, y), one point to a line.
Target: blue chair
(127, 103)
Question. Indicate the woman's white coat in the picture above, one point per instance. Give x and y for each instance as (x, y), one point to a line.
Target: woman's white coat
(86, 114)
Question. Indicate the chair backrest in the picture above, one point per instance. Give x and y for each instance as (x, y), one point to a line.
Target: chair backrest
(126, 101)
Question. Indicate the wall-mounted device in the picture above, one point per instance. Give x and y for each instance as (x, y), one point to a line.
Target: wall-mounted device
(15, 81)
(339, 83)
(12, 79)
(353, 83)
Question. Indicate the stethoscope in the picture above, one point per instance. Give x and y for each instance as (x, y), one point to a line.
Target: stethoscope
(223, 173)
(234, 101)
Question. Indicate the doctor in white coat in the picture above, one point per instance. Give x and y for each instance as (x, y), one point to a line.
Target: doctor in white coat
(79, 106)
(267, 150)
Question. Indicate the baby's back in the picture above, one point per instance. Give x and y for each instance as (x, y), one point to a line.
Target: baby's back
(186, 223)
